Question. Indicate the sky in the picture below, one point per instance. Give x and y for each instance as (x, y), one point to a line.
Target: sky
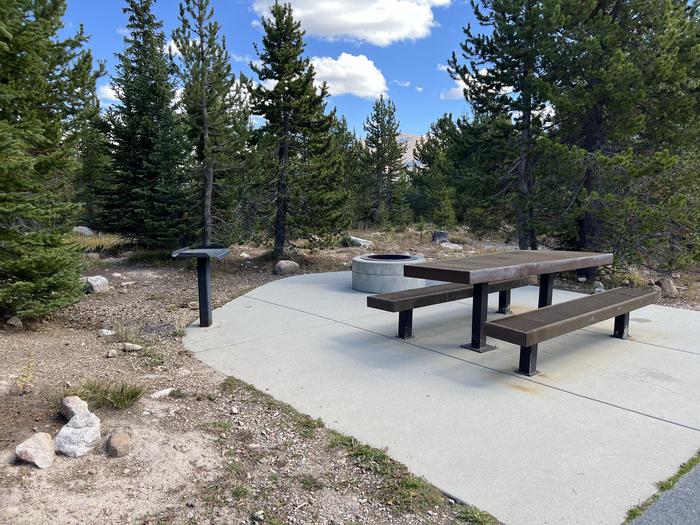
(361, 48)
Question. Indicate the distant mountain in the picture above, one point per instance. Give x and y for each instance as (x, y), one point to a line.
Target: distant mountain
(410, 141)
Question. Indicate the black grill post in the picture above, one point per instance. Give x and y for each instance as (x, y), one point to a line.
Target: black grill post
(622, 324)
(204, 290)
(405, 325)
(203, 254)
(528, 361)
(504, 302)
(546, 289)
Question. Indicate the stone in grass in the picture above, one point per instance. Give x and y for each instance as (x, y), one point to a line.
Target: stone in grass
(162, 393)
(96, 284)
(79, 436)
(364, 243)
(286, 268)
(15, 322)
(37, 450)
(130, 347)
(451, 246)
(119, 444)
(105, 332)
(72, 405)
(83, 230)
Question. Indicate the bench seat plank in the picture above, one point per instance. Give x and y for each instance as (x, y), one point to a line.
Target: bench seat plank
(436, 294)
(531, 328)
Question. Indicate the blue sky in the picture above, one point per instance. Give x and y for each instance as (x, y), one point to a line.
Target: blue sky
(361, 47)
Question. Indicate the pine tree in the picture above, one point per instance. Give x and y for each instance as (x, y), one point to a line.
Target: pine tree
(46, 84)
(503, 75)
(148, 198)
(307, 190)
(211, 99)
(385, 160)
(95, 167)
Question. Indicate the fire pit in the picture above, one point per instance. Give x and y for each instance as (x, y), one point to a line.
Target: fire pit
(383, 272)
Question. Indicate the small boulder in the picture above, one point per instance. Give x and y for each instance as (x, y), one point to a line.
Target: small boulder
(84, 231)
(104, 332)
(440, 236)
(656, 288)
(15, 322)
(79, 436)
(364, 243)
(72, 405)
(111, 353)
(581, 279)
(37, 450)
(130, 347)
(598, 287)
(668, 287)
(451, 246)
(96, 284)
(162, 393)
(286, 268)
(119, 444)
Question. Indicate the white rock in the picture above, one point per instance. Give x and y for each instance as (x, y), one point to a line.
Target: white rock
(364, 243)
(244, 255)
(582, 279)
(72, 405)
(286, 268)
(451, 246)
(83, 230)
(96, 284)
(15, 322)
(117, 275)
(104, 332)
(111, 353)
(37, 450)
(79, 436)
(161, 393)
(598, 287)
(130, 347)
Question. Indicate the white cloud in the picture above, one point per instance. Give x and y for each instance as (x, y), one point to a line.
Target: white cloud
(379, 22)
(122, 31)
(419, 89)
(350, 74)
(171, 47)
(106, 94)
(442, 67)
(402, 83)
(456, 92)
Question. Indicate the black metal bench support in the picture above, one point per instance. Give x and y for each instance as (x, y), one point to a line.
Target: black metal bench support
(504, 302)
(405, 325)
(622, 325)
(204, 290)
(546, 289)
(528, 361)
(479, 312)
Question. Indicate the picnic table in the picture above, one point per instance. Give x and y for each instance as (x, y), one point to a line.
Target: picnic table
(480, 270)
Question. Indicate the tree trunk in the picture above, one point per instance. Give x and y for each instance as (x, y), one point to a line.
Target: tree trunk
(525, 214)
(281, 216)
(208, 171)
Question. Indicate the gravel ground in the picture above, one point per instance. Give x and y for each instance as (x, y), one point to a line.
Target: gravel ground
(213, 452)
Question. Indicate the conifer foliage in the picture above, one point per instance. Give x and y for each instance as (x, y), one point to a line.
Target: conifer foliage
(47, 86)
(306, 185)
(148, 198)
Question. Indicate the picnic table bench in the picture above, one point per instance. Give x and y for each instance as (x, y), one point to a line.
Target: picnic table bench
(481, 275)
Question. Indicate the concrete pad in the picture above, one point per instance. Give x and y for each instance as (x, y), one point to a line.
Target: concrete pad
(581, 443)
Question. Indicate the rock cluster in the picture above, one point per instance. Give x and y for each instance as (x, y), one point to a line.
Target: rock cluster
(79, 436)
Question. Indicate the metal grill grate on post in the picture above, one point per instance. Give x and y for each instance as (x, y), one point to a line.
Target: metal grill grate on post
(203, 254)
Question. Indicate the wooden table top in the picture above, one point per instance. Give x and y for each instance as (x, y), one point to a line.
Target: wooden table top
(505, 265)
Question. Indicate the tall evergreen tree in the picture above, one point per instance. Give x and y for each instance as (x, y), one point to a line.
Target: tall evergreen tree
(503, 75)
(148, 198)
(211, 99)
(47, 84)
(385, 160)
(307, 190)
(95, 166)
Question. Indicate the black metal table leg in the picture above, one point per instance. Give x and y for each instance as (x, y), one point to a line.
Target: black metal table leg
(622, 324)
(504, 302)
(405, 325)
(546, 289)
(479, 311)
(204, 288)
(528, 361)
